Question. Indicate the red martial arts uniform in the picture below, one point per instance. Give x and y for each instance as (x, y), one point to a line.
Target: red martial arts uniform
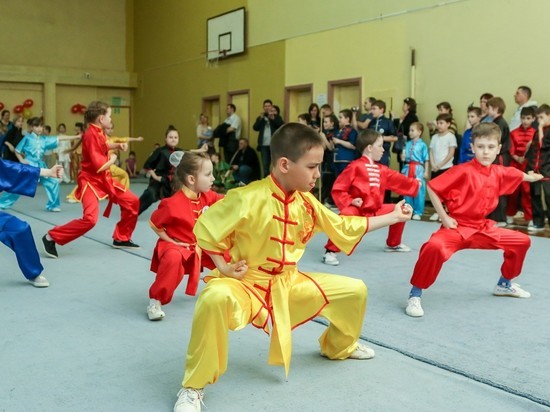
(470, 191)
(365, 179)
(94, 186)
(519, 139)
(177, 215)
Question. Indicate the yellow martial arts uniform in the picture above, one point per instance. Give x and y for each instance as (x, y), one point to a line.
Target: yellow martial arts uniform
(270, 229)
(116, 172)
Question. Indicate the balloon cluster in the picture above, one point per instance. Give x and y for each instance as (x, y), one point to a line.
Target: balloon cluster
(78, 109)
(24, 109)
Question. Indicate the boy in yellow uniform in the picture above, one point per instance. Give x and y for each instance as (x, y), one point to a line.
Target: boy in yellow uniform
(265, 226)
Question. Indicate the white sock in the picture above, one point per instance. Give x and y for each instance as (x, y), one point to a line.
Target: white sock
(153, 301)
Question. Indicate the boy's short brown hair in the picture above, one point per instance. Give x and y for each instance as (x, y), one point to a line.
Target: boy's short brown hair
(292, 141)
(346, 113)
(381, 104)
(446, 117)
(543, 108)
(528, 111)
(497, 103)
(365, 138)
(476, 110)
(488, 130)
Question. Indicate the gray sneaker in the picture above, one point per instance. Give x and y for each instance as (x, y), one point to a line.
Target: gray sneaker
(189, 400)
(39, 282)
(513, 291)
(399, 248)
(154, 311)
(414, 307)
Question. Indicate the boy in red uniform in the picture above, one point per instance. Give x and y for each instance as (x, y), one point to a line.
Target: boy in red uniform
(520, 140)
(359, 191)
(95, 183)
(470, 191)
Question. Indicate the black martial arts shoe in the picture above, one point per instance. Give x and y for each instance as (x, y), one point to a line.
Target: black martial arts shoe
(124, 244)
(49, 247)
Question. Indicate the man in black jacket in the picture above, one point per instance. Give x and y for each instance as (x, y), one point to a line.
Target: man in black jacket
(266, 124)
(245, 164)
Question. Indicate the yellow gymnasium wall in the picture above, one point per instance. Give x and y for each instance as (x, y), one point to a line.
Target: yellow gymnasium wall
(151, 54)
(173, 76)
(63, 52)
(463, 49)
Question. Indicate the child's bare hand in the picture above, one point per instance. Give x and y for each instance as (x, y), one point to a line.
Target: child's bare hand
(448, 222)
(139, 139)
(58, 171)
(123, 146)
(403, 211)
(534, 177)
(235, 270)
(357, 202)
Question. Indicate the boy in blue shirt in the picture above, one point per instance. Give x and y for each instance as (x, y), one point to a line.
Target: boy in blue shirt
(344, 143)
(385, 127)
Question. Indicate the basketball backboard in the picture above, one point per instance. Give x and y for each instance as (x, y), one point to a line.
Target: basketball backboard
(225, 34)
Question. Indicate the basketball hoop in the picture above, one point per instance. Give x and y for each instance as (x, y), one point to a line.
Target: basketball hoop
(212, 58)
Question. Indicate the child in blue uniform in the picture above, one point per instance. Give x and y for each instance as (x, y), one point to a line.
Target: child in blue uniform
(30, 150)
(416, 161)
(15, 233)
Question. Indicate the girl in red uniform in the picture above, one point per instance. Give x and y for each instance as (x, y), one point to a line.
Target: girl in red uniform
(176, 252)
(95, 183)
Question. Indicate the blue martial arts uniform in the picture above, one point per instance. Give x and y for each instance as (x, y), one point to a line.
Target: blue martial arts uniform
(33, 147)
(416, 155)
(15, 233)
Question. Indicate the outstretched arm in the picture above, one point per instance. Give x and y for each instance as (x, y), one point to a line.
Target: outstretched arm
(532, 177)
(56, 171)
(401, 213)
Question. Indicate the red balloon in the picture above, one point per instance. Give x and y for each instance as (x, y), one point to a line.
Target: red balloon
(18, 109)
(2, 106)
(28, 103)
(75, 109)
(82, 109)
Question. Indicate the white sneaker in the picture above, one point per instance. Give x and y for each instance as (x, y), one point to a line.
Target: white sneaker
(55, 209)
(189, 400)
(414, 307)
(39, 282)
(154, 310)
(416, 217)
(501, 224)
(510, 220)
(71, 200)
(329, 258)
(434, 217)
(362, 352)
(398, 248)
(513, 291)
(530, 224)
